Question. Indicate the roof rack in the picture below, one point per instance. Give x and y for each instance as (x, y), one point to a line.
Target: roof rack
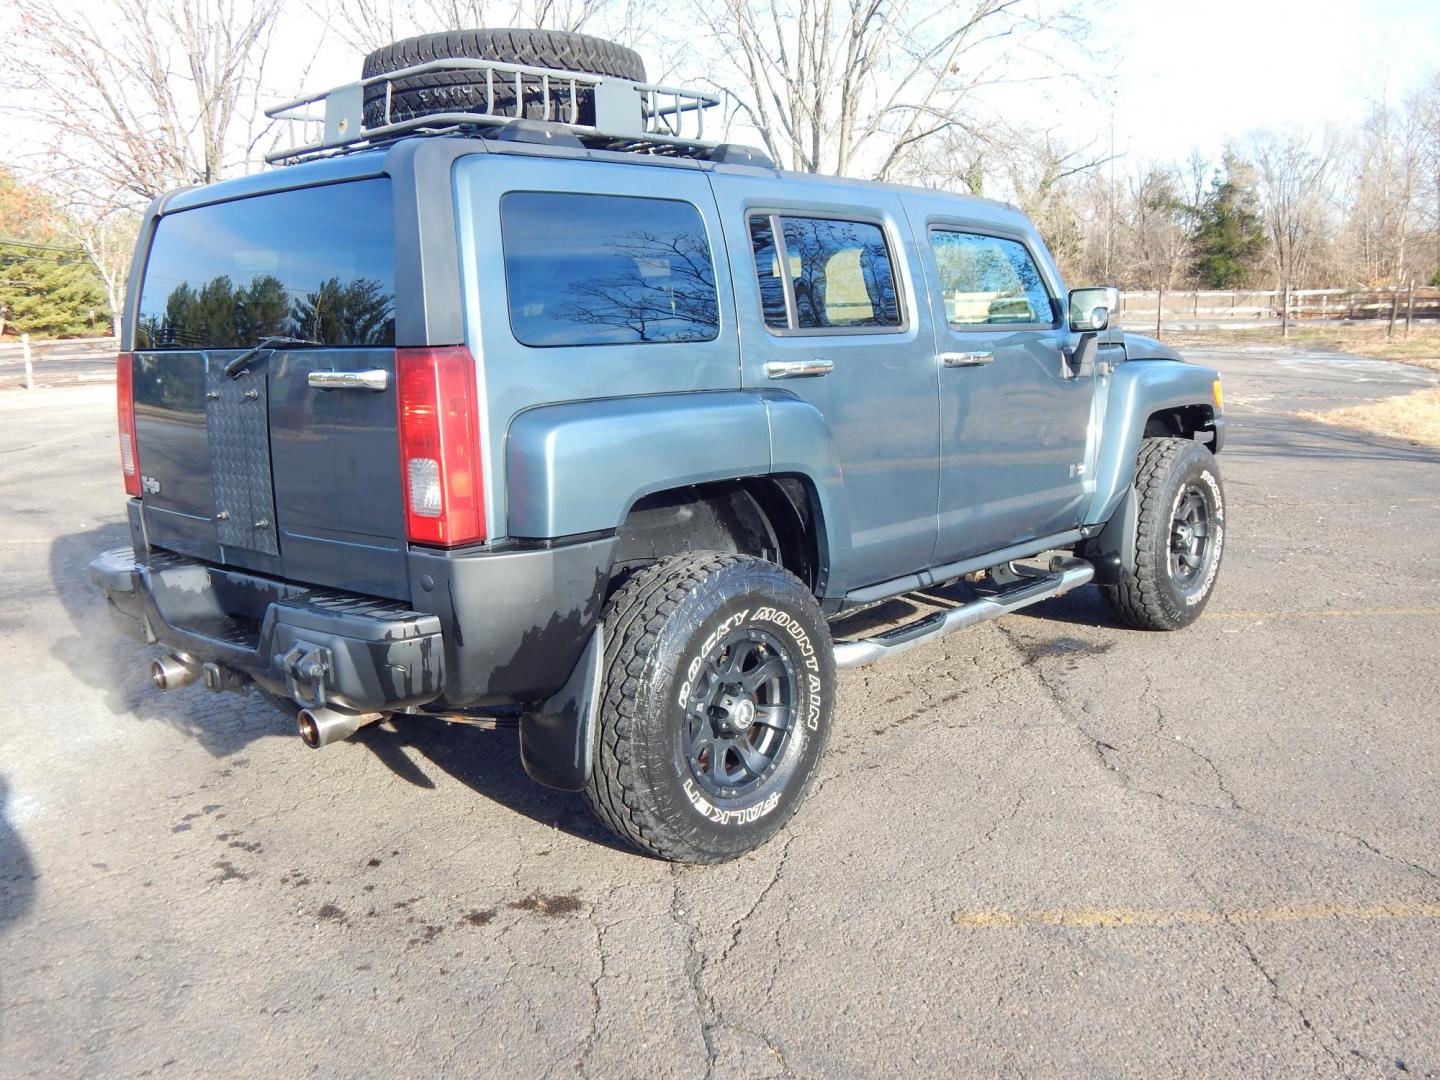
(638, 117)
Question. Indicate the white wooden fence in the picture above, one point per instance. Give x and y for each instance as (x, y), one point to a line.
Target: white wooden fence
(1203, 308)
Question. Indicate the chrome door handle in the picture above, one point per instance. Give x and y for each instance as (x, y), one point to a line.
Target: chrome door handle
(350, 380)
(966, 359)
(798, 369)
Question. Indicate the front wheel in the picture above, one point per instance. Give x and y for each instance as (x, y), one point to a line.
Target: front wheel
(719, 683)
(1179, 536)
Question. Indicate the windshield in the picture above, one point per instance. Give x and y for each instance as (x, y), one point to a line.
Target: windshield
(315, 263)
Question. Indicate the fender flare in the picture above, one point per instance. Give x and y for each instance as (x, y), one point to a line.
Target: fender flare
(1138, 389)
(578, 468)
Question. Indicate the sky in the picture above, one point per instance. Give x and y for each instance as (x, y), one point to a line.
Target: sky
(1180, 74)
(1191, 74)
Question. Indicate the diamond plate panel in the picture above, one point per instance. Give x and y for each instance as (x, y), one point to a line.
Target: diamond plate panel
(237, 413)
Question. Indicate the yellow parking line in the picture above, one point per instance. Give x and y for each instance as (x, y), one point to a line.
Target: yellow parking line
(1111, 918)
(1329, 613)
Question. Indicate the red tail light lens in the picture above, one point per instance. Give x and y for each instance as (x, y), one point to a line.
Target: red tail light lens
(125, 409)
(440, 446)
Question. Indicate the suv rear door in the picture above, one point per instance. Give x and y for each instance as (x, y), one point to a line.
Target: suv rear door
(261, 469)
(848, 301)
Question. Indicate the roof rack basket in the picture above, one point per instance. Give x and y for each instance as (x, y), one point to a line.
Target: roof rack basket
(633, 116)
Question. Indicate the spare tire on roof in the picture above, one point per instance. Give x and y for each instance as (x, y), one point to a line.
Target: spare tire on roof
(458, 91)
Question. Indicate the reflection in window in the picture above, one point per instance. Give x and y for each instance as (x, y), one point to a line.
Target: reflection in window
(986, 280)
(767, 270)
(606, 270)
(315, 263)
(839, 273)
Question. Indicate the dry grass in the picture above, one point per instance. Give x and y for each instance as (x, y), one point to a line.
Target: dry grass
(1413, 417)
(1421, 348)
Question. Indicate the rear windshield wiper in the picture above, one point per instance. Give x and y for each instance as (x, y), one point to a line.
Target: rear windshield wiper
(241, 362)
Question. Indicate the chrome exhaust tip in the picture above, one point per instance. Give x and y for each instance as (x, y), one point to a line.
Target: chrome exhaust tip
(172, 671)
(323, 726)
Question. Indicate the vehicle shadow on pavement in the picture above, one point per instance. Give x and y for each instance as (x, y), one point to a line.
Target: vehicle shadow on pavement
(485, 761)
(17, 870)
(17, 883)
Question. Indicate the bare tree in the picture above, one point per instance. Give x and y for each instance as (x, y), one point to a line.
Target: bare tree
(1425, 109)
(1291, 182)
(163, 94)
(854, 86)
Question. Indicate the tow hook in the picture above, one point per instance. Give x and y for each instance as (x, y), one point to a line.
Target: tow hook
(218, 678)
(307, 670)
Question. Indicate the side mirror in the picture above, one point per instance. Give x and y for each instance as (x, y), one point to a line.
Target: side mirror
(1090, 309)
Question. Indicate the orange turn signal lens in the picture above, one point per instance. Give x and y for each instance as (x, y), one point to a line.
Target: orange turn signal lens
(1218, 394)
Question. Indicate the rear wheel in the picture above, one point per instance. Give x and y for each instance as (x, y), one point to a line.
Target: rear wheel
(719, 683)
(1179, 536)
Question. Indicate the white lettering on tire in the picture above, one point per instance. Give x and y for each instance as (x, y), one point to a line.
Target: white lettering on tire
(1219, 524)
(792, 628)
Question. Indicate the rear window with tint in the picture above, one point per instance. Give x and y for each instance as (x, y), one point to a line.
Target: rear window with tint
(315, 263)
(606, 270)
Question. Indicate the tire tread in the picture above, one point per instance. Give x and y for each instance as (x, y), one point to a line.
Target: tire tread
(1136, 600)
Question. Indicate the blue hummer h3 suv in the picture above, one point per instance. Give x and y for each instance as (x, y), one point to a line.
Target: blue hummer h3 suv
(510, 395)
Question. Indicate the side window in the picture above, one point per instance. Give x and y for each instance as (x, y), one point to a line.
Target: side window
(606, 270)
(989, 281)
(835, 274)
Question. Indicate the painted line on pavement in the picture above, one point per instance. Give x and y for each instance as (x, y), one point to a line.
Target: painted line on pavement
(1330, 613)
(1119, 917)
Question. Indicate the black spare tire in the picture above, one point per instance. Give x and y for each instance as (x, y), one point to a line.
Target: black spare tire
(458, 91)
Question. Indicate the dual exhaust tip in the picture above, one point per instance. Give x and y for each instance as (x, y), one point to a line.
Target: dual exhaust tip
(318, 727)
(322, 726)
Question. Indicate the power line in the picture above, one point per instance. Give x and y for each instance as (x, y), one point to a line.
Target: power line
(6, 241)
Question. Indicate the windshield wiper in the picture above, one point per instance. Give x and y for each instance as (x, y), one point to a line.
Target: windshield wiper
(241, 362)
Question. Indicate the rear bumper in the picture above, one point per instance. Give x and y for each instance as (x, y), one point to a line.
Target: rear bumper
(483, 628)
(315, 646)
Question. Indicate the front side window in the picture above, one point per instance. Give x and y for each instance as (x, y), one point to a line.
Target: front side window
(315, 263)
(989, 281)
(836, 275)
(606, 270)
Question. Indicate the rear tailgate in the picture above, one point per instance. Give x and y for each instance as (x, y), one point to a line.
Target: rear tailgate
(263, 470)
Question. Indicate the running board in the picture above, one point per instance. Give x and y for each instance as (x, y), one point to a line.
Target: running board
(1065, 574)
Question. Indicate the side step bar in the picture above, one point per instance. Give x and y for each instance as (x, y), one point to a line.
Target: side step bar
(1065, 574)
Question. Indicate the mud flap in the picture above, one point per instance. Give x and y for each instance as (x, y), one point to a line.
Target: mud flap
(1112, 551)
(555, 740)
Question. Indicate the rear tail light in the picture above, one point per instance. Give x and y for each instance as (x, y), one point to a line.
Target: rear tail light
(125, 409)
(440, 446)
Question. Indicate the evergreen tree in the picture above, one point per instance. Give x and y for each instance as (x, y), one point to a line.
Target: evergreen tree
(1227, 236)
(48, 287)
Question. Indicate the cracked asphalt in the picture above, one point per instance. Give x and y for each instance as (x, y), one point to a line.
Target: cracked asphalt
(1046, 846)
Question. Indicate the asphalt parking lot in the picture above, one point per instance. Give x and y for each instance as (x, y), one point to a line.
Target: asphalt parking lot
(1047, 846)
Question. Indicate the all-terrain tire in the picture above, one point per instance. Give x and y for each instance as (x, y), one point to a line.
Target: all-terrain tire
(453, 91)
(1163, 593)
(666, 631)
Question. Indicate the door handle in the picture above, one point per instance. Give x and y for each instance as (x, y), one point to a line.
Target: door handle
(966, 359)
(377, 379)
(798, 369)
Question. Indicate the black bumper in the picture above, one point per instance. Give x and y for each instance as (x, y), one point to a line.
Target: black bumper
(482, 628)
(315, 646)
